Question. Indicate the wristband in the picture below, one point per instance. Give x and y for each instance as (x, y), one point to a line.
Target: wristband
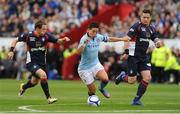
(11, 49)
(126, 51)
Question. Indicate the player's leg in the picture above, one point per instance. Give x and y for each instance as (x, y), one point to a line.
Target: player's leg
(44, 85)
(30, 83)
(146, 78)
(102, 75)
(144, 67)
(88, 79)
(91, 89)
(130, 77)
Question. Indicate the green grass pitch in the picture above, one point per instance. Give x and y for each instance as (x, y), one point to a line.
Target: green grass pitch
(72, 98)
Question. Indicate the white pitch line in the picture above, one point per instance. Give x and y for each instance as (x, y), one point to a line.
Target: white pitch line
(29, 109)
(26, 108)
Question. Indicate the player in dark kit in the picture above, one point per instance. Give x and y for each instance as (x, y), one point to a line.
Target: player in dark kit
(135, 51)
(36, 56)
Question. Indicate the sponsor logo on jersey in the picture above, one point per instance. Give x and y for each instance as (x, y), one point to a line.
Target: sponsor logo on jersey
(38, 49)
(144, 40)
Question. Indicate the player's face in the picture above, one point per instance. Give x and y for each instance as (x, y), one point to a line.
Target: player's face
(92, 32)
(43, 30)
(146, 18)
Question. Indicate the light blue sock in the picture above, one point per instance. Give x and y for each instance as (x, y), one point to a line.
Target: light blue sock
(103, 85)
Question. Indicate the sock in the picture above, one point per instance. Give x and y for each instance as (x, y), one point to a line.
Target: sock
(90, 94)
(28, 85)
(45, 87)
(103, 85)
(141, 90)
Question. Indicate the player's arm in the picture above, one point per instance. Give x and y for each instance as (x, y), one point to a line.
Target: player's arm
(155, 38)
(11, 51)
(126, 50)
(61, 40)
(116, 39)
(56, 39)
(21, 38)
(82, 46)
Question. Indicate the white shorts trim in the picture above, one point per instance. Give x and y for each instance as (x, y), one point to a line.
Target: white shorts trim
(87, 76)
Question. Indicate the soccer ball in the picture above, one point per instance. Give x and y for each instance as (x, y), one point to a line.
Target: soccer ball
(93, 100)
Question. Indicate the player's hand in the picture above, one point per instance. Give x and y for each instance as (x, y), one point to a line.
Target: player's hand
(126, 39)
(66, 39)
(124, 57)
(158, 44)
(10, 55)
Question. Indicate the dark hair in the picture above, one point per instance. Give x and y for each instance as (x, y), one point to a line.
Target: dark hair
(147, 11)
(93, 25)
(39, 24)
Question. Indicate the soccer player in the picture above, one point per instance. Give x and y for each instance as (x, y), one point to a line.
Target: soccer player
(90, 67)
(36, 56)
(135, 51)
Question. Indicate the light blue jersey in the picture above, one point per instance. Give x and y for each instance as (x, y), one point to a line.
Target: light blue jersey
(89, 57)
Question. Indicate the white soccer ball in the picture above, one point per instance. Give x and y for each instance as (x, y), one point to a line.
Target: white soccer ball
(93, 100)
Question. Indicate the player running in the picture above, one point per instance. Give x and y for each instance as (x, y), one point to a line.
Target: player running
(36, 56)
(90, 67)
(140, 34)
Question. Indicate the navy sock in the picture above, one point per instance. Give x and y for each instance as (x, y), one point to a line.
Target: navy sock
(103, 85)
(45, 87)
(141, 90)
(28, 85)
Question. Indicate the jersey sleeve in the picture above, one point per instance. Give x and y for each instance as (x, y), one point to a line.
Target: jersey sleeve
(52, 38)
(133, 31)
(104, 38)
(22, 37)
(81, 42)
(154, 34)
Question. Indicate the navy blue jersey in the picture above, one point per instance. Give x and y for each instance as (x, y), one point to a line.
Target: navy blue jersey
(140, 35)
(36, 46)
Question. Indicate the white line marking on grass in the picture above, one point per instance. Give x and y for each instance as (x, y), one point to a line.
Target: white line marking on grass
(99, 112)
(26, 108)
(29, 109)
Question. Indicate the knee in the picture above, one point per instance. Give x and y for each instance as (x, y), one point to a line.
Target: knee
(105, 79)
(147, 79)
(43, 76)
(132, 80)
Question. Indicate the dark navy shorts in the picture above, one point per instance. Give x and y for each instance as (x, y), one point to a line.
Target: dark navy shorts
(137, 64)
(33, 67)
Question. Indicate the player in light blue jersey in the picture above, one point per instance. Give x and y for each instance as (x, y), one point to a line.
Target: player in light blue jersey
(90, 66)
